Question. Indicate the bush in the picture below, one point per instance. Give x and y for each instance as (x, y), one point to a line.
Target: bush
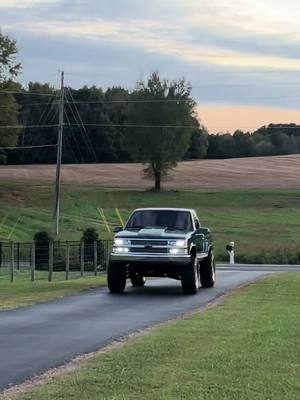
(42, 240)
(89, 237)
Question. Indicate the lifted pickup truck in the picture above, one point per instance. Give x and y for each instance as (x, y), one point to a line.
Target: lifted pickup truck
(162, 242)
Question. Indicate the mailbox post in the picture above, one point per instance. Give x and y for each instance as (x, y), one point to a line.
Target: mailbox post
(230, 250)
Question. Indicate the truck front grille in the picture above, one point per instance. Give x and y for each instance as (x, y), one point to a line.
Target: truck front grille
(149, 250)
(148, 242)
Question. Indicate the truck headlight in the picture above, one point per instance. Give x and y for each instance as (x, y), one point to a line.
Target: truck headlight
(177, 243)
(177, 250)
(118, 242)
(121, 250)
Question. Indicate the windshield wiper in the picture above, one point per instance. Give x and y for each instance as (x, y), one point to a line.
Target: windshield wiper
(174, 228)
(137, 227)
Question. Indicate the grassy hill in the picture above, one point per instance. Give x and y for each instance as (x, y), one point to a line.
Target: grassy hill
(265, 224)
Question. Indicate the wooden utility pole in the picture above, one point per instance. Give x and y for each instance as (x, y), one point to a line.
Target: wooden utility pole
(59, 156)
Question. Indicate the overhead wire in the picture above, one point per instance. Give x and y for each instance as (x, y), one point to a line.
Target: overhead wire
(24, 105)
(27, 93)
(74, 137)
(27, 126)
(81, 126)
(27, 147)
(44, 112)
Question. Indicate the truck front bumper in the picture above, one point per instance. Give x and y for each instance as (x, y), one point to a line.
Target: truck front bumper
(143, 258)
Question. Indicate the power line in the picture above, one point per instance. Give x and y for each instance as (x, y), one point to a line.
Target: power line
(128, 126)
(28, 147)
(140, 126)
(74, 137)
(81, 126)
(25, 105)
(132, 101)
(27, 93)
(45, 110)
(27, 126)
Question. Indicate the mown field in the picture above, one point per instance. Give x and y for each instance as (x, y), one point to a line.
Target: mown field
(278, 172)
(245, 348)
(265, 224)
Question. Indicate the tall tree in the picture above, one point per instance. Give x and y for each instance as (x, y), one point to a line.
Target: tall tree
(166, 112)
(9, 69)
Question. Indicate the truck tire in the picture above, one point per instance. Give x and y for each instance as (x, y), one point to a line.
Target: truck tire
(116, 278)
(137, 280)
(190, 277)
(208, 271)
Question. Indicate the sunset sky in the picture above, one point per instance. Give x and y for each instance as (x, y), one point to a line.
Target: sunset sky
(242, 57)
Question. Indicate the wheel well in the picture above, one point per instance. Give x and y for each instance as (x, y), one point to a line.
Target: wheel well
(193, 251)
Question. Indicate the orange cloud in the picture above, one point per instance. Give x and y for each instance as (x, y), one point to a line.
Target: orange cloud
(224, 118)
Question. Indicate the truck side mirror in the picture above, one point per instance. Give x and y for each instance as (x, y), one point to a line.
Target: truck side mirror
(118, 229)
(203, 231)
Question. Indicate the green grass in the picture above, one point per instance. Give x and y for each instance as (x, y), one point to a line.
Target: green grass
(265, 224)
(23, 292)
(246, 348)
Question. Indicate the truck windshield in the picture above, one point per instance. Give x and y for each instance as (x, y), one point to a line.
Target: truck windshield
(168, 219)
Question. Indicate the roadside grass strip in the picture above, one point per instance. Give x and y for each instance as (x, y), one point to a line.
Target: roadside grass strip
(247, 347)
(23, 292)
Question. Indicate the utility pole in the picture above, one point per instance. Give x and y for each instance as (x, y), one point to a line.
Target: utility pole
(59, 156)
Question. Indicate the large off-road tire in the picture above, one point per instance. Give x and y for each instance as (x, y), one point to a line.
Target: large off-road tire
(137, 280)
(116, 277)
(190, 277)
(208, 271)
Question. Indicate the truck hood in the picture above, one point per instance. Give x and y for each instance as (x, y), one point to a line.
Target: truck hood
(153, 233)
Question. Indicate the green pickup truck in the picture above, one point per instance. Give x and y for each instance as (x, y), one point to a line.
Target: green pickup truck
(162, 242)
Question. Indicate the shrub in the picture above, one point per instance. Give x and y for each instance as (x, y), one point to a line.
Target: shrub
(89, 237)
(42, 240)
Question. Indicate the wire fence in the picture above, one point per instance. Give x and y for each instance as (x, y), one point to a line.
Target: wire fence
(52, 260)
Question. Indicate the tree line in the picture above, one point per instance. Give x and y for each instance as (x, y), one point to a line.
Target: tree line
(105, 140)
(156, 123)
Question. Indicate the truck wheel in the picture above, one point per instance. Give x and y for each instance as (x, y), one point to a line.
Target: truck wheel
(137, 280)
(190, 277)
(116, 278)
(208, 271)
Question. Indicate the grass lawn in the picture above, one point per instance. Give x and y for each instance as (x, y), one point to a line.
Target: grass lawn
(23, 292)
(265, 224)
(245, 348)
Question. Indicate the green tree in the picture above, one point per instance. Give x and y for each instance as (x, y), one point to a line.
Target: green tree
(159, 106)
(243, 143)
(199, 144)
(9, 69)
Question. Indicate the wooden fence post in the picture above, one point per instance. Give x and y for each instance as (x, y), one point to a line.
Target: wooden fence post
(33, 262)
(67, 260)
(95, 257)
(51, 251)
(82, 258)
(12, 262)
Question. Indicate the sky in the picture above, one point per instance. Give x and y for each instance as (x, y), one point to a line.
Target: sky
(242, 57)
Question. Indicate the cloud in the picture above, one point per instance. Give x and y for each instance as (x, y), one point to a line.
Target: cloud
(227, 49)
(24, 3)
(154, 37)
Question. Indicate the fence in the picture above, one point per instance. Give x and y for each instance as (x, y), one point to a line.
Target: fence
(52, 257)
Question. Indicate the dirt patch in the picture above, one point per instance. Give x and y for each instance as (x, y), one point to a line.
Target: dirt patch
(280, 172)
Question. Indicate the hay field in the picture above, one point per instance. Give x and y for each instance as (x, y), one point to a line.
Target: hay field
(279, 172)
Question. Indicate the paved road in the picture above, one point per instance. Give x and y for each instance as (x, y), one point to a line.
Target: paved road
(40, 337)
